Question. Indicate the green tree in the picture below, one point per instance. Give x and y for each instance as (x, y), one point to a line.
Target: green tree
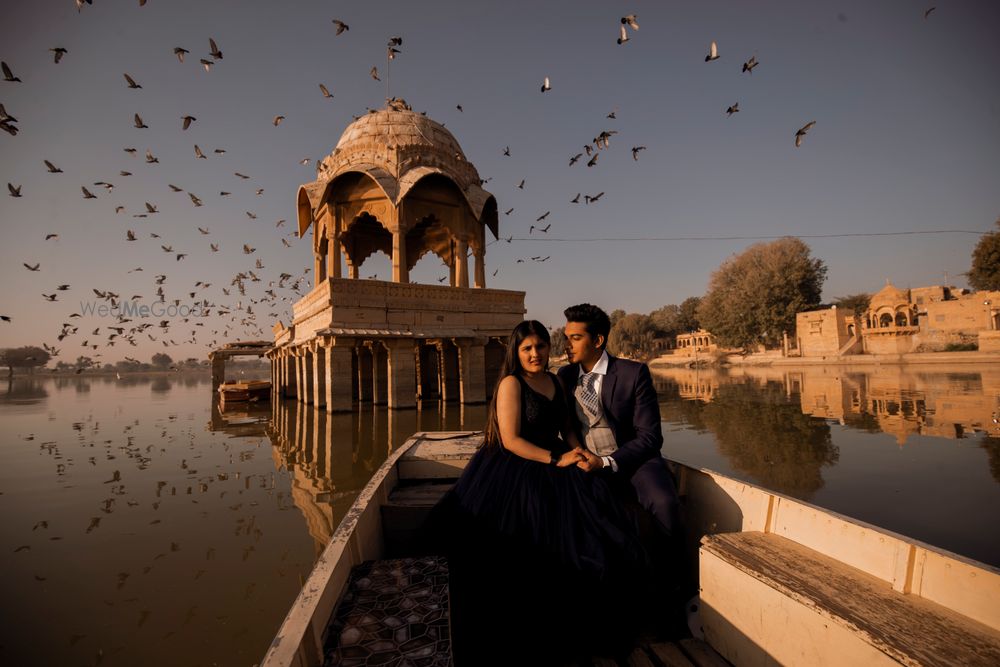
(162, 360)
(985, 271)
(754, 297)
(855, 302)
(632, 336)
(29, 357)
(558, 338)
(688, 319)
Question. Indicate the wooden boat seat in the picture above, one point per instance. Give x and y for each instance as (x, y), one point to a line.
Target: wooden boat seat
(393, 612)
(404, 516)
(787, 603)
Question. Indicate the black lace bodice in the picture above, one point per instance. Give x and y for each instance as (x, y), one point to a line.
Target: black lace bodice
(541, 417)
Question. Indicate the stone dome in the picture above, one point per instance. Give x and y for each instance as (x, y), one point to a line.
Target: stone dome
(396, 128)
(890, 296)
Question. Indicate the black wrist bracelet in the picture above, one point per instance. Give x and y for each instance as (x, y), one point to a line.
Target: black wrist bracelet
(553, 459)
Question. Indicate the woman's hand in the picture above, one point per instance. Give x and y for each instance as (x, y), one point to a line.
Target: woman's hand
(570, 458)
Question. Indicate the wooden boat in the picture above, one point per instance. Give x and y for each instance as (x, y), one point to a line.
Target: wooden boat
(245, 391)
(780, 581)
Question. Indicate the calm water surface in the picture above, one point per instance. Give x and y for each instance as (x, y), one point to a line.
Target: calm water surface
(141, 526)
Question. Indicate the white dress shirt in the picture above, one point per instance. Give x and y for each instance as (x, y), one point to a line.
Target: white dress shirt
(600, 369)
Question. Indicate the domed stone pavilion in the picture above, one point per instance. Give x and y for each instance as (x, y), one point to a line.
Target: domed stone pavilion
(398, 183)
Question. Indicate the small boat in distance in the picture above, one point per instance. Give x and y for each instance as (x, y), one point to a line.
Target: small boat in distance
(780, 582)
(244, 391)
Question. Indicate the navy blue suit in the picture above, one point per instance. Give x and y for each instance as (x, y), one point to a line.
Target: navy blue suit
(632, 410)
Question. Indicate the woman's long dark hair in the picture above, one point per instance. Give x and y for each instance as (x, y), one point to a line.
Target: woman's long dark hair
(511, 366)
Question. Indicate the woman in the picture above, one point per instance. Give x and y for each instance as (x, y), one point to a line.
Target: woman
(541, 553)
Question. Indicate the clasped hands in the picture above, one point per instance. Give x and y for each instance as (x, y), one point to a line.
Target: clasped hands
(583, 459)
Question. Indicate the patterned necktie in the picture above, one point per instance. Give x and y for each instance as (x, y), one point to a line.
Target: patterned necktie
(588, 395)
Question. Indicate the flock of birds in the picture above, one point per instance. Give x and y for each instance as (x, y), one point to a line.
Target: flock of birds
(242, 316)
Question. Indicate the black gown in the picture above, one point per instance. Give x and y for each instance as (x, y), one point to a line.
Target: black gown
(546, 562)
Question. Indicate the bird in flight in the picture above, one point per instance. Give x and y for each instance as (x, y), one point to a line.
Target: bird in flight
(631, 20)
(131, 82)
(179, 52)
(207, 64)
(341, 26)
(32, 268)
(58, 53)
(215, 52)
(635, 152)
(187, 121)
(129, 235)
(623, 37)
(139, 124)
(713, 53)
(928, 12)
(326, 93)
(198, 153)
(150, 159)
(542, 216)
(593, 160)
(802, 132)
(52, 168)
(14, 191)
(51, 236)
(546, 85)
(750, 64)
(277, 120)
(733, 109)
(521, 184)
(574, 159)
(87, 194)
(374, 74)
(7, 74)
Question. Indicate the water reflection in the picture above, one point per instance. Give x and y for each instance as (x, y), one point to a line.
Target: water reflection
(23, 391)
(913, 449)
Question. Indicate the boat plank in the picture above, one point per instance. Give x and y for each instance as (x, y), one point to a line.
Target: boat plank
(639, 658)
(905, 627)
(670, 655)
(701, 654)
(419, 495)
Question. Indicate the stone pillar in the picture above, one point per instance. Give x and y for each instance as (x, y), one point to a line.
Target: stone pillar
(319, 270)
(288, 360)
(218, 371)
(307, 380)
(379, 374)
(319, 376)
(400, 271)
(299, 391)
(338, 374)
(462, 270)
(365, 373)
(402, 389)
(352, 270)
(472, 370)
(480, 255)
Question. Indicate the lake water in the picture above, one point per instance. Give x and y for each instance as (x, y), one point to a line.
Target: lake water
(142, 526)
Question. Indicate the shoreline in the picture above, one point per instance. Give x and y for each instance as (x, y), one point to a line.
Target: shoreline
(914, 358)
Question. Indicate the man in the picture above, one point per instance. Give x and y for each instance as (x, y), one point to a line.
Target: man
(618, 416)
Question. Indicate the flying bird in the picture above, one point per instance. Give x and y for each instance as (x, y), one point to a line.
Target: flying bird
(635, 152)
(129, 235)
(197, 202)
(593, 160)
(802, 132)
(546, 85)
(179, 52)
(374, 74)
(928, 12)
(341, 26)
(243, 176)
(198, 153)
(51, 236)
(149, 157)
(87, 194)
(326, 93)
(7, 74)
(750, 64)
(14, 191)
(58, 53)
(207, 64)
(733, 109)
(623, 37)
(574, 159)
(32, 268)
(542, 216)
(576, 199)
(175, 188)
(506, 151)
(151, 208)
(521, 184)
(713, 53)
(631, 20)
(187, 121)
(277, 120)
(139, 124)
(215, 52)
(131, 82)
(52, 168)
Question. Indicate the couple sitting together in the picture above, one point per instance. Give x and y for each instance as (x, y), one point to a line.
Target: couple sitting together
(558, 520)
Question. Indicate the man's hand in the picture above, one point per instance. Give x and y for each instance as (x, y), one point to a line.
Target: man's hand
(589, 461)
(572, 457)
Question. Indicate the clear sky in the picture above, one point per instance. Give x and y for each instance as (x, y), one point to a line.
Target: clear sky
(907, 139)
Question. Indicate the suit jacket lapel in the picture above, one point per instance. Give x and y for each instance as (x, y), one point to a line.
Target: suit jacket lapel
(608, 387)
